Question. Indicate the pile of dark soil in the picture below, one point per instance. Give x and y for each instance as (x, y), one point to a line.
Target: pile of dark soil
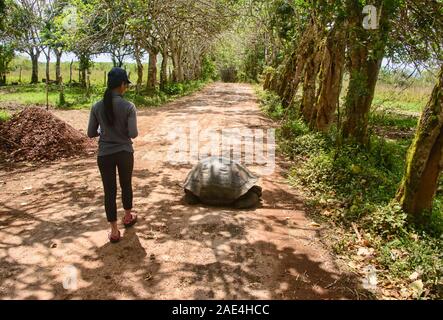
(36, 134)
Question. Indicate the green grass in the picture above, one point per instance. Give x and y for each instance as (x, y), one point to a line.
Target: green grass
(398, 95)
(36, 94)
(76, 98)
(398, 121)
(357, 186)
(410, 99)
(97, 75)
(4, 115)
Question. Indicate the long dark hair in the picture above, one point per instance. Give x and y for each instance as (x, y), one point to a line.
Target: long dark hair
(107, 100)
(116, 77)
(109, 108)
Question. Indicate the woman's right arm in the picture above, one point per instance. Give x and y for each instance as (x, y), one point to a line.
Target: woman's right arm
(132, 122)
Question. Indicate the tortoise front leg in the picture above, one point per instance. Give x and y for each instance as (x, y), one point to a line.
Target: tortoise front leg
(191, 198)
(249, 200)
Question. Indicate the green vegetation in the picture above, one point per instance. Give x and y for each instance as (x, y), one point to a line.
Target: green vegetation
(22, 65)
(4, 115)
(350, 185)
(76, 97)
(398, 90)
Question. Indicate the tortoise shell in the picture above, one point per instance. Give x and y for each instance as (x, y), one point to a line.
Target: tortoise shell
(219, 180)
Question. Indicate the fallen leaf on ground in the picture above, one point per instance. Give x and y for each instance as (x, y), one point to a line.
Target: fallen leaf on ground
(364, 251)
(414, 276)
(405, 293)
(326, 213)
(352, 265)
(417, 286)
(314, 224)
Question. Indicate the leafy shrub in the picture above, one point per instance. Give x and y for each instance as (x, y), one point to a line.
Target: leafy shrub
(173, 88)
(209, 69)
(361, 183)
(387, 221)
(271, 105)
(4, 116)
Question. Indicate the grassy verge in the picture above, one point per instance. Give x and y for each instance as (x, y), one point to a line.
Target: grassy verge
(171, 92)
(351, 190)
(75, 97)
(4, 115)
(410, 99)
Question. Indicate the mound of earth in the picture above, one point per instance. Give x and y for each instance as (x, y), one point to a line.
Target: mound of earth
(36, 134)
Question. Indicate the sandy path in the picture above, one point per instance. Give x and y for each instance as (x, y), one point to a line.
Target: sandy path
(52, 218)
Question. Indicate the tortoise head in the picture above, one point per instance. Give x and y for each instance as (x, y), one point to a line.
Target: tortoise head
(257, 190)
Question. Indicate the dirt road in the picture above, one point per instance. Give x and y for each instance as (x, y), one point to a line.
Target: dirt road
(53, 227)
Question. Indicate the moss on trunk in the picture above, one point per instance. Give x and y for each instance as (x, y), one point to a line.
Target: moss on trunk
(424, 162)
(330, 79)
(365, 54)
(152, 70)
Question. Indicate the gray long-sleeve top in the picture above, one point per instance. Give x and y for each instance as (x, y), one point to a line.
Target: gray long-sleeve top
(118, 137)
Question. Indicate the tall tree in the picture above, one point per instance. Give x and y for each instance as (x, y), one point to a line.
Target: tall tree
(366, 49)
(425, 158)
(6, 47)
(23, 27)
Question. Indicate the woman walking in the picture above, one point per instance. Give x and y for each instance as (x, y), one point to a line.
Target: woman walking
(114, 120)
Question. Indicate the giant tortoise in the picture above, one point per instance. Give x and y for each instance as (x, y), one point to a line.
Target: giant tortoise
(221, 181)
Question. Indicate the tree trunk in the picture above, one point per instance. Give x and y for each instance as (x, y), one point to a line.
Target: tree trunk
(366, 51)
(58, 74)
(425, 158)
(293, 74)
(83, 77)
(291, 90)
(363, 79)
(152, 69)
(174, 66)
(34, 59)
(137, 56)
(70, 71)
(288, 72)
(120, 61)
(275, 80)
(181, 73)
(164, 68)
(48, 62)
(177, 63)
(331, 76)
(307, 106)
(268, 76)
(88, 82)
(117, 59)
(83, 68)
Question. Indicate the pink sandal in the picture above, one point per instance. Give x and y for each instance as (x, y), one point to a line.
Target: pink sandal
(130, 223)
(114, 239)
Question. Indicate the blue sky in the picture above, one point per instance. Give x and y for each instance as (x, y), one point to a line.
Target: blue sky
(66, 57)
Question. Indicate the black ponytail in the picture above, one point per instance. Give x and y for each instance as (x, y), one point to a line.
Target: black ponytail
(116, 77)
(109, 108)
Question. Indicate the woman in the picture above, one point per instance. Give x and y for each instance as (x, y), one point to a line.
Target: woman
(114, 119)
